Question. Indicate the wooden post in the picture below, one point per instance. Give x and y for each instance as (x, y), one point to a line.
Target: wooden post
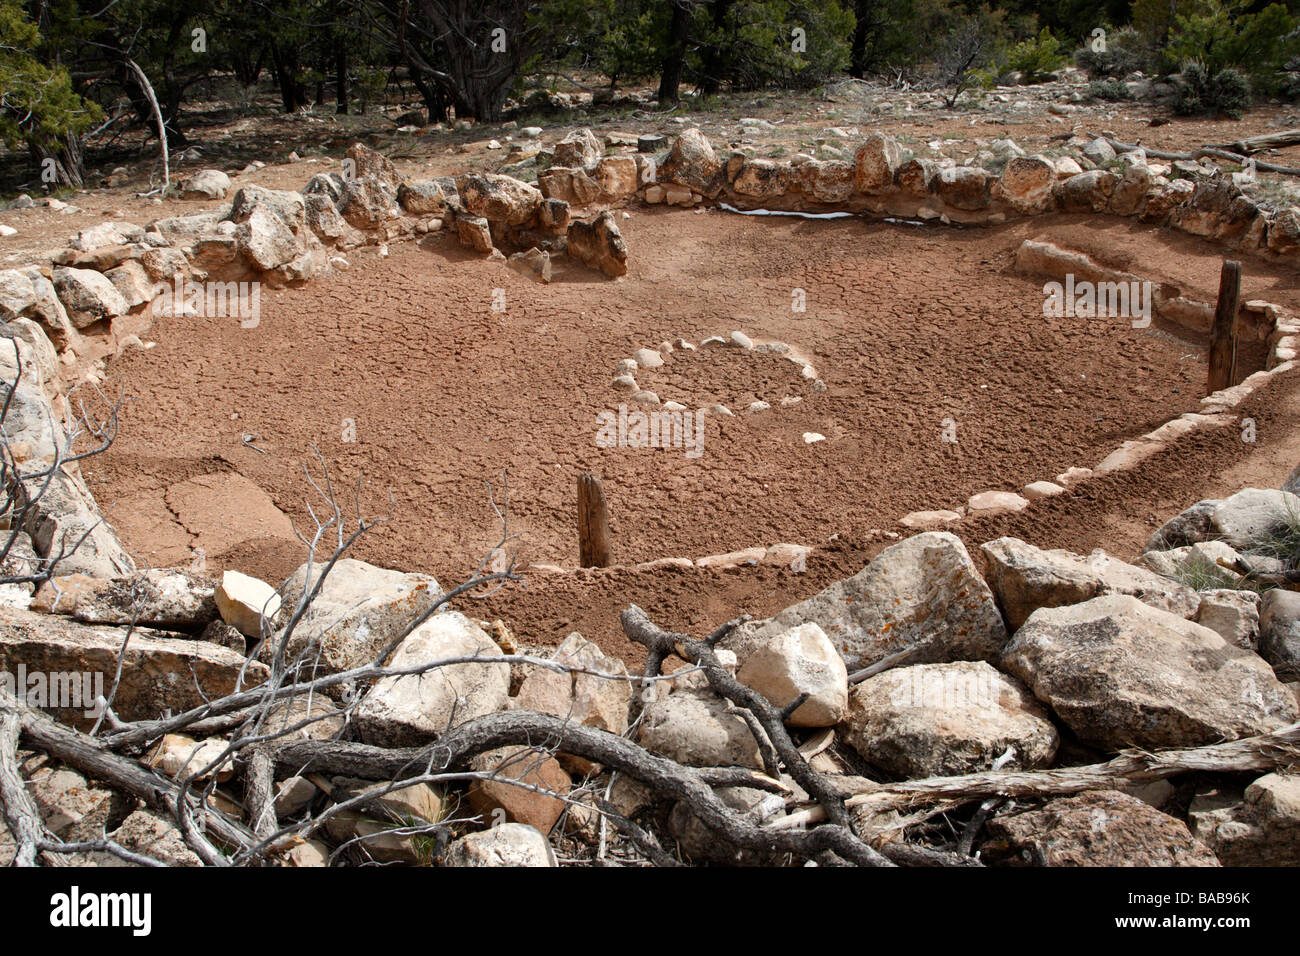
(593, 523)
(1223, 335)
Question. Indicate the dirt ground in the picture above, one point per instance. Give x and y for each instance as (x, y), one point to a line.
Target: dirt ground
(907, 327)
(401, 373)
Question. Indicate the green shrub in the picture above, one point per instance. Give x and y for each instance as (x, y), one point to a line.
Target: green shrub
(1125, 52)
(1226, 91)
(1036, 56)
(1111, 90)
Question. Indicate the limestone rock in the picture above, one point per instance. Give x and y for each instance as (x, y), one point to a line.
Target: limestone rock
(88, 296)
(579, 148)
(517, 804)
(265, 241)
(1026, 184)
(1086, 192)
(946, 719)
(166, 598)
(1120, 673)
(286, 205)
(499, 198)
(1279, 632)
(922, 594)
(599, 244)
(371, 164)
(510, 844)
(1233, 615)
(161, 672)
(693, 163)
(699, 731)
(1251, 515)
(359, 609)
(367, 203)
(801, 660)
(473, 233)
(242, 602)
(414, 709)
(206, 184)
(1260, 827)
(423, 198)
(875, 163)
(1189, 527)
(1099, 828)
(963, 187)
(1026, 578)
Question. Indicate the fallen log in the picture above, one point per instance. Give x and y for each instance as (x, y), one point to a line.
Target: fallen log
(1257, 144)
(1198, 154)
(1263, 753)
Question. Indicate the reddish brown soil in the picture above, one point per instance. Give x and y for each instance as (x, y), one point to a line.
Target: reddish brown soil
(907, 326)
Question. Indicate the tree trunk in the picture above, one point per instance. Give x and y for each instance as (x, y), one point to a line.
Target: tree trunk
(670, 77)
(714, 61)
(69, 165)
(341, 75)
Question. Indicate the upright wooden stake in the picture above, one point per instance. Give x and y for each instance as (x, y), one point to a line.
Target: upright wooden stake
(1223, 336)
(593, 523)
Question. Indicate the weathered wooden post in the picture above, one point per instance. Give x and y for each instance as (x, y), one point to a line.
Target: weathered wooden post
(593, 523)
(1223, 335)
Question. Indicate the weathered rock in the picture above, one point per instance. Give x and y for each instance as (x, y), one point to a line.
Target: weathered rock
(579, 148)
(1260, 827)
(329, 185)
(916, 176)
(17, 294)
(1197, 563)
(206, 184)
(599, 244)
(368, 203)
(510, 844)
(414, 709)
(875, 163)
(697, 729)
(617, 177)
(150, 834)
(375, 820)
(945, 719)
(107, 234)
(762, 179)
(1279, 632)
(1252, 515)
(1026, 184)
(359, 610)
(699, 844)
(286, 205)
(323, 217)
(422, 198)
(370, 164)
(67, 521)
(922, 594)
(243, 602)
(474, 233)
(1233, 615)
(88, 296)
(693, 163)
(165, 598)
(582, 698)
(800, 661)
(1120, 673)
(499, 198)
(569, 184)
(1100, 828)
(1086, 192)
(179, 755)
(1026, 578)
(1189, 527)
(164, 264)
(499, 799)
(160, 672)
(963, 187)
(1099, 151)
(265, 241)
(533, 263)
(1130, 191)
(132, 281)
(829, 181)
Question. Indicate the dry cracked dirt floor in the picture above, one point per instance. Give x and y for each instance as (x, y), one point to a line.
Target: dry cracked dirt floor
(906, 325)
